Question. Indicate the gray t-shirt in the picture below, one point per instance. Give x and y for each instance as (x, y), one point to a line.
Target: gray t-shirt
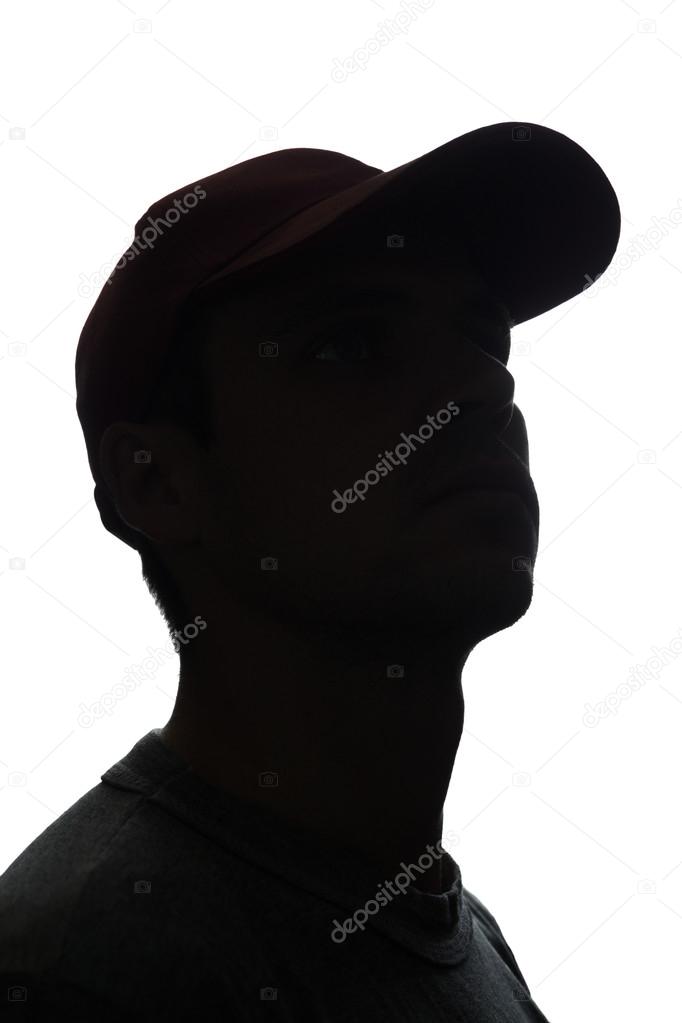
(157, 895)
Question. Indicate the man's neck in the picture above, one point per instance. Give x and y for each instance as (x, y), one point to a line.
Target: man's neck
(356, 745)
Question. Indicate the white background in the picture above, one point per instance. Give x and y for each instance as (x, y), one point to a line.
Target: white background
(582, 866)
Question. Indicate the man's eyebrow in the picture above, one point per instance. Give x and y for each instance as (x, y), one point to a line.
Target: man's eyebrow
(478, 305)
(324, 300)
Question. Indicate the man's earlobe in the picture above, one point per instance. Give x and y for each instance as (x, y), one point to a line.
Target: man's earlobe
(124, 454)
(145, 469)
(120, 445)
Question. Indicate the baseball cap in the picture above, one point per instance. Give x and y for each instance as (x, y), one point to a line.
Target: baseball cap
(536, 212)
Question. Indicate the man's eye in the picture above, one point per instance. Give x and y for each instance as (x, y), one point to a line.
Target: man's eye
(349, 348)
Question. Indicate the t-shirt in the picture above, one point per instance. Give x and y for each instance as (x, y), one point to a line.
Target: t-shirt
(158, 895)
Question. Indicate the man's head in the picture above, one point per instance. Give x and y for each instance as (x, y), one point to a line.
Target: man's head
(242, 478)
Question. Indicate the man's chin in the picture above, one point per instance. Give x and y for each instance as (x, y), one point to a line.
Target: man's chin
(474, 597)
(477, 607)
(477, 593)
(491, 610)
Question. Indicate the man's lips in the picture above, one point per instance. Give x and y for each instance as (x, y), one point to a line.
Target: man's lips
(492, 476)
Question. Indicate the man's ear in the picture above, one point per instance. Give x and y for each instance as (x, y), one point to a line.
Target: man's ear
(151, 471)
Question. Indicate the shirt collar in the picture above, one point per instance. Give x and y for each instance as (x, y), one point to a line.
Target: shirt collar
(436, 927)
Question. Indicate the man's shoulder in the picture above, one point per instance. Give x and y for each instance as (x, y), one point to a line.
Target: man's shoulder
(110, 889)
(115, 858)
(492, 931)
(41, 889)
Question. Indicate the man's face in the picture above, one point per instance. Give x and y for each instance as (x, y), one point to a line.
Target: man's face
(363, 355)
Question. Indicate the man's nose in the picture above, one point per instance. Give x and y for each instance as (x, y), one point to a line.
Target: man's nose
(468, 367)
(484, 393)
(515, 436)
(488, 420)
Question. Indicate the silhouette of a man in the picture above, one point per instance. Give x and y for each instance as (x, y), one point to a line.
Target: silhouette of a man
(361, 517)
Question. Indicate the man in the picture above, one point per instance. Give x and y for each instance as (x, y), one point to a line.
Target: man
(347, 512)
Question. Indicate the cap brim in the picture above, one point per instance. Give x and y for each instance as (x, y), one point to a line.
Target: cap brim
(537, 212)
